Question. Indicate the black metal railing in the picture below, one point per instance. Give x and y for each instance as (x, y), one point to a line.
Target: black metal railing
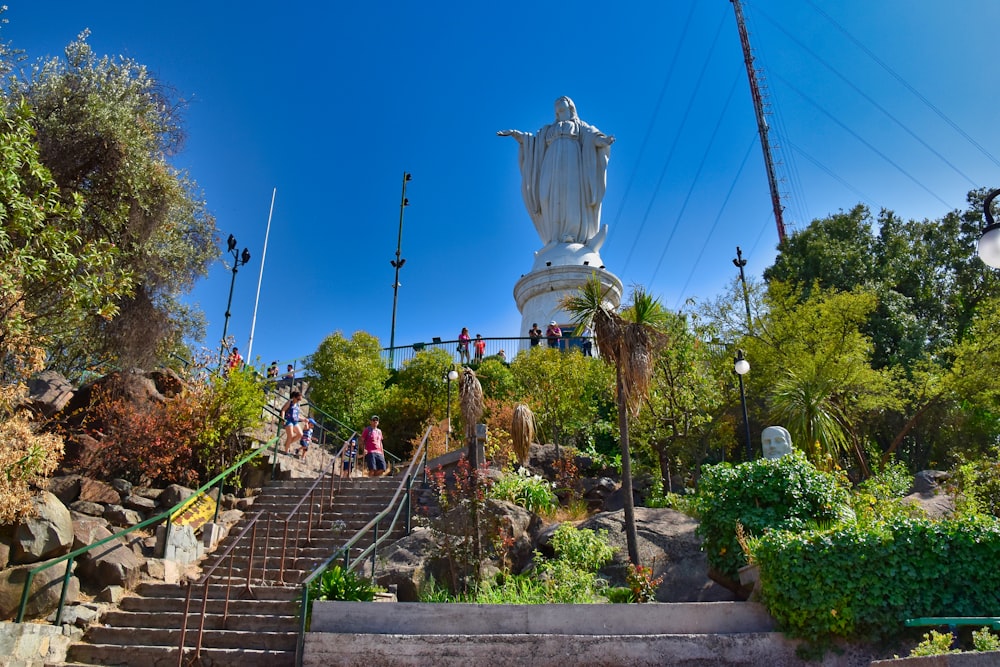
(504, 349)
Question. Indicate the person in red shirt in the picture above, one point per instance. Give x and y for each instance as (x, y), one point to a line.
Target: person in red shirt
(480, 346)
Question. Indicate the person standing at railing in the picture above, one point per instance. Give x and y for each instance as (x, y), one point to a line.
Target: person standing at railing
(463, 345)
(535, 334)
(292, 416)
(480, 346)
(553, 333)
(588, 341)
(371, 438)
(272, 371)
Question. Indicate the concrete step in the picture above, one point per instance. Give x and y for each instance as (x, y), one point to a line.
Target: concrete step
(166, 656)
(172, 620)
(610, 650)
(256, 640)
(216, 591)
(259, 607)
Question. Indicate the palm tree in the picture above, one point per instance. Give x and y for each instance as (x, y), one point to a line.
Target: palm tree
(630, 342)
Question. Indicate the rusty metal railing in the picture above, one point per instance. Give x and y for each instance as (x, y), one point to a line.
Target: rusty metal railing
(323, 487)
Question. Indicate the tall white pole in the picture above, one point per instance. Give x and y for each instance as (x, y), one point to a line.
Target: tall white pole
(263, 256)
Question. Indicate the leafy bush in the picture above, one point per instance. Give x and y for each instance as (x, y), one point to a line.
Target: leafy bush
(340, 584)
(934, 643)
(582, 548)
(532, 492)
(984, 640)
(976, 485)
(879, 497)
(26, 459)
(620, 595)
(569, 578)
(641, 582)
(783, 494)
(866, 580)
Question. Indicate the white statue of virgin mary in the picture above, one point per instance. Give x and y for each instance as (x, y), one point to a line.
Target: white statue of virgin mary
(563, 177)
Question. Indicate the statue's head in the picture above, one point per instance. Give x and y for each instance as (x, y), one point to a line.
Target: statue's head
(565, 109)
(775, 442)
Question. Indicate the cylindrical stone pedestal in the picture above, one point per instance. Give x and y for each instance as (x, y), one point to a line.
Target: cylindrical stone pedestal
(539, 294)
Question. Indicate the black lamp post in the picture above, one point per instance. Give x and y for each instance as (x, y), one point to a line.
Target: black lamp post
(989, 240)
(238, 261)
(742, 367)
(398, 264)
(740, 263)
(451, 375)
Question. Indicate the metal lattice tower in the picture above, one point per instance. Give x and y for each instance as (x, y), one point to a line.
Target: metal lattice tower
(758, 106)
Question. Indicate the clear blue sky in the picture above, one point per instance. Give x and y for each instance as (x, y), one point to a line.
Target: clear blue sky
(331, 102)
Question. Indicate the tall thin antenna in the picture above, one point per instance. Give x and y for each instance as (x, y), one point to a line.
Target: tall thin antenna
(758, 107)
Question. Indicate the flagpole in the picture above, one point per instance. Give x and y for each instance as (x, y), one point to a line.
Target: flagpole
(263, 256)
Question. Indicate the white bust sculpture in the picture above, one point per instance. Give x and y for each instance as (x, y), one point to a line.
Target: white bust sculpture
(775, 442)
(563, 176)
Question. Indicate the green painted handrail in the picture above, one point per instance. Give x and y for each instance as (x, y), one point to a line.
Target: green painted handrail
(992, 621)
(163, 515)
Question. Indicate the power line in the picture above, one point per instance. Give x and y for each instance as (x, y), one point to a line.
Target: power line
(859, 138)
(697, 175)
(904, 83)
(715, 223)
(870, 100)
(652, 119)
(673, 145)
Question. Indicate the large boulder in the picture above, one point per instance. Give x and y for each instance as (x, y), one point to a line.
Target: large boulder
(666, 542)
(49, 392)
(111, 564)
(410, 563)
(43, 597)
(66, 488)
(96, 491)
(173, 494)
(46, 533)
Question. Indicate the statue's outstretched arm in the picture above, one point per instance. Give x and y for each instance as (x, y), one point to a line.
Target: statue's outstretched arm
(517, 134)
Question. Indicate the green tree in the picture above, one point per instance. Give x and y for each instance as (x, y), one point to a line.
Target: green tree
(422, 379)
(814, 364)
(348, 376)
(564, 390)
(629, 342)
(684, 402)
(51, 279)
(106, 130)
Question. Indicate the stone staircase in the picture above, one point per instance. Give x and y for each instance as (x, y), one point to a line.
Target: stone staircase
(260, 626)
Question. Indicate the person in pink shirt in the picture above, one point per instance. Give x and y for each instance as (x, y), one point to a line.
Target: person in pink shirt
(463, 345)
(371, 440)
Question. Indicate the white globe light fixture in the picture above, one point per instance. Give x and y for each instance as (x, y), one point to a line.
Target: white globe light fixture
(742, 367)
(989, 240)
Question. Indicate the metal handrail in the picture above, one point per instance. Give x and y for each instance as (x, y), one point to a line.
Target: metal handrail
(205, 580)
(416, 463)
(510, 346)
(26, 593)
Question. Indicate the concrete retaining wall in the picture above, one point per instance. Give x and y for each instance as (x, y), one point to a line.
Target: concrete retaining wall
(577, 619)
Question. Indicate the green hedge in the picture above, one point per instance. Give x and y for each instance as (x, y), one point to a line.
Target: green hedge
(864, 581)
(788, 493)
